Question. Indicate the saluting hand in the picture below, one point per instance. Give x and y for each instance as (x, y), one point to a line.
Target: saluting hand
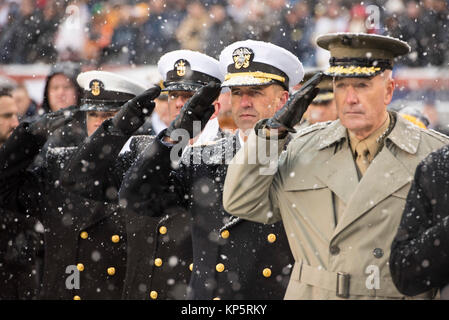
(51, 121)
(134, 112)
(198, 108)
(291, 113)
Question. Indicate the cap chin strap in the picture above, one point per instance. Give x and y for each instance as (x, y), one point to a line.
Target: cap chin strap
(257, 74)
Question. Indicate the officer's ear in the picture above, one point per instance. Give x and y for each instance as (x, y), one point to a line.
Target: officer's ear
(389, 86)
(217, 107)
(281, 96)
(284, 97)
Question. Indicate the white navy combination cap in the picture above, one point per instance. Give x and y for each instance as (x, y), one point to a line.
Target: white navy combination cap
(250, 63)
(106, 91)
(186, 70)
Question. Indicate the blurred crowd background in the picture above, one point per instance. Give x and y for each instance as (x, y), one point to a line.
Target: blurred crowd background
(132, 32)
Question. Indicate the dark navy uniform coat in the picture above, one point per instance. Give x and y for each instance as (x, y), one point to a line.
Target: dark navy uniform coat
(232, 258)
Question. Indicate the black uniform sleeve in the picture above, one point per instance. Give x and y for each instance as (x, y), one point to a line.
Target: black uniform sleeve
(92, 171)
(150, 186)
(20, 188)
(419, 259)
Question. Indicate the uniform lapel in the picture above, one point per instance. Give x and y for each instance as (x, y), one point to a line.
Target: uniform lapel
(94, 213)
(337, 169)
(385, 175)
(339, 173)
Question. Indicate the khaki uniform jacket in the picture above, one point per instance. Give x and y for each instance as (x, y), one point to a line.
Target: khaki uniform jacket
(317, 167)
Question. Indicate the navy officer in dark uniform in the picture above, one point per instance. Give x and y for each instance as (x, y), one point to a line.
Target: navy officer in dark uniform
(159, 246)
(85, 239)
(232, 258)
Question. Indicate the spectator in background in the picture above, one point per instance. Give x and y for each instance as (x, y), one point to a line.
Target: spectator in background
(295, 33)
(61, 91)
(5, 11)
(330, 17)
(48, 20)
(357, 19)
(274, 12)
(8, 115)
(122, 49)
(101, 28)
(70, 38)
(158, 31)
(431, 112)
(257, 25)
(406, 26)
(222, 31)
(21, 27)
(238, 10)
(435, 38)
(192, 31)
(26, 106)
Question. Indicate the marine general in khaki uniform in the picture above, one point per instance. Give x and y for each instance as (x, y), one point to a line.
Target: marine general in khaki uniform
(340, 187)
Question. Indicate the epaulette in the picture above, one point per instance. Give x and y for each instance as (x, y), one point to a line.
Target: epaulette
(311, 128)
(232, 222)
(220, 137)
(215, 151)
(60, 151)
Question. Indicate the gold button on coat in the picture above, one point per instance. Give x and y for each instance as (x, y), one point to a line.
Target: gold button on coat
(163, 230)
(115, 238)
(216, 298)
(80, 266)
(153, 295)
(220, 267)
(225, 234)
(111, 271)
(191, 267)
(76, 298)
(84, 235)
(271, 238)
(266, 272)
(158, 262)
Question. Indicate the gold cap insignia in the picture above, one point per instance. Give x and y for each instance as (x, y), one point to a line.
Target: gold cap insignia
(181, 67)
(95, 87)
(242, 57)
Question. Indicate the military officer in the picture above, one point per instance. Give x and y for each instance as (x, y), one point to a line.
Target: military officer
(415, 116)
(232, 258)
(20, 244)
(322, 108)
(159, 247)
(85, 240)
(340, 187)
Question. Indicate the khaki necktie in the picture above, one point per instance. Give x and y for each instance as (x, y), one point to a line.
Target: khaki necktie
(362, 157)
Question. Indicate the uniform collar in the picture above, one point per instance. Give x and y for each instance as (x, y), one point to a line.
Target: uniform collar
(371, 141)
(334, 133)
(405, 135)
